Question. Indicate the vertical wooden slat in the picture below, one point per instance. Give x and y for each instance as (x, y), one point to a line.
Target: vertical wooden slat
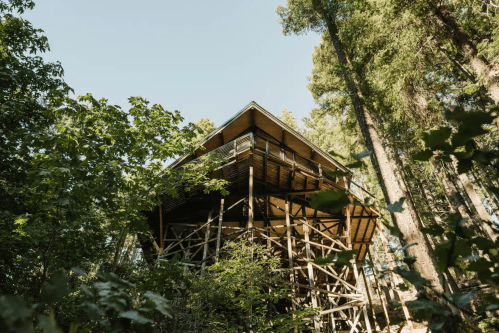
(251, 211)
(310, 272)
(376, 326)
(389, 257)
(290, 256)
(206, 238)
(220, 222)
(364, 310)
(378, 289)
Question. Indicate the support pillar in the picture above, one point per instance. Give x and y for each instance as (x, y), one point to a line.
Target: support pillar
(290, 256)
(206, 238)
(310, 269)
(219, 234)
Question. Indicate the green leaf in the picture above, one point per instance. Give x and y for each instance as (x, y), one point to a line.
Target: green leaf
(355, 165)
(434, 230)
(329, 201)
(479, 265)
(324, 260)
(464, 166)
(13, 308)
(405, 247)
(413, 277)
(393, 230)
(409, 260)
(136, 316)
(344, 257)
(396, 207)
(402, 287)
(55, 288)
(337, 173)
(435, 138)
(461, 299)
(494, 191)
(48, 323)
(361, 155)
(335, 154)
(423, 155)
(162, 304)
(79, 271)
(93, 311)
(368, 202)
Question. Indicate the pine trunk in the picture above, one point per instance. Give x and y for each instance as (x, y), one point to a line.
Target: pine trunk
(476, 204)
(464, 42)
(385, 169)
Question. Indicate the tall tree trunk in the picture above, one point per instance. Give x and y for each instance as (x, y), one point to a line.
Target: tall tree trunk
(476, 204)
(481, 173)
(463, 41)
(385, 169)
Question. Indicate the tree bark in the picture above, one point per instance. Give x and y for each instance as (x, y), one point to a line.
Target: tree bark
(385, 169)
(474, 200)
(463, 41)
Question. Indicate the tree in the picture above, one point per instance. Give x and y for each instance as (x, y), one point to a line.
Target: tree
(204, 127)
(76, 174)
(288, 118)
(315, 15)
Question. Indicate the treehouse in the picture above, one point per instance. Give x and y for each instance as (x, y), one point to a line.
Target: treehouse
(273, 172)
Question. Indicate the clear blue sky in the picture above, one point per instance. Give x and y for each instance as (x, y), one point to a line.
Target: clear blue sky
(203, 58)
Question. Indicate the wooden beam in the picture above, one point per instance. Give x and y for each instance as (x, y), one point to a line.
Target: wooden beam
(378, 290)
(348, 226)
(310, 269)
(391, 266)
(219, 234)
(376, 326)
(290, 257)
(250, 197)
(206, 238)
(364, 310)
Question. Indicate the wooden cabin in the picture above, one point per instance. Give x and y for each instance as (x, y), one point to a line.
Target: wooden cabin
(272, 171)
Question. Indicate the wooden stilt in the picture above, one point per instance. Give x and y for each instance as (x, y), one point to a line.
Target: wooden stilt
(391, 266)
(219, 234)
(376, 326)
(206, 238)
(311, 276)
(366, 317)
(290, 257)
(378, 289)
(250, 199)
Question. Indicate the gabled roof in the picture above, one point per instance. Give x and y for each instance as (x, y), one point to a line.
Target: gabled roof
(254, 115)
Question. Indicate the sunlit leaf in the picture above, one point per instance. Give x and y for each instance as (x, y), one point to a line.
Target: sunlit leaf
(396, 207)
(329, 201)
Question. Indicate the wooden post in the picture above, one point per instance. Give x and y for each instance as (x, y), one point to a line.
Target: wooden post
(290, 256)
(206, 238)
(161, 227)
(348, 224)
(250, 198)
(376, 326)
(219, 234)
(311, 274)
(389, 257)
(320, 177)
(378, 289)
(366, 317)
